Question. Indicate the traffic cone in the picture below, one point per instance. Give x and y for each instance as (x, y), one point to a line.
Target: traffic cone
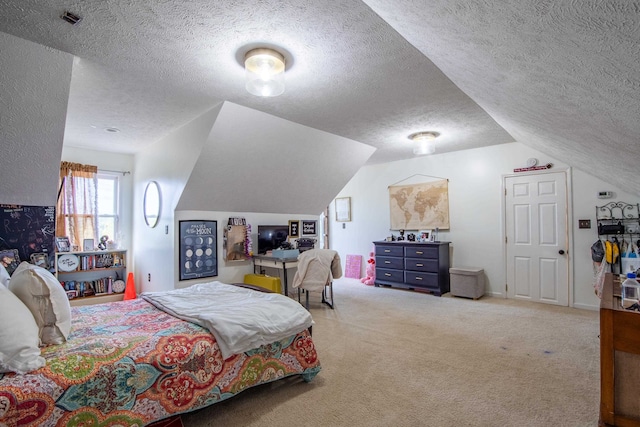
(130, 289)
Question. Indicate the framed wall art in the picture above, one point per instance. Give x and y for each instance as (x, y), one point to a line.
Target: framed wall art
(309, 227)
(198, 246)
(294, 229)
(63, 244)
(343, 209)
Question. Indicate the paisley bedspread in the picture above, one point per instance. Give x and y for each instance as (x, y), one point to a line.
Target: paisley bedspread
(129, 364)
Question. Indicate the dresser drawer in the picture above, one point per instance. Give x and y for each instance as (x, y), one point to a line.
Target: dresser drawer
(421, 264)
(421, 252)
(389, 250)
(389, 262)
(425, 280)
(383, 274)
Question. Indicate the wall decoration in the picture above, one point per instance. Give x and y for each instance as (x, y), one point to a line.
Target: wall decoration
(309, 227)
(419, 206)
(29, 229)
(235, 243)
(63, 244)
(198, 246)
(343, 209)
(10, 260)
(294, 229)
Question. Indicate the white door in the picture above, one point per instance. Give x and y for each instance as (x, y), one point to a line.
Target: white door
(536, 238)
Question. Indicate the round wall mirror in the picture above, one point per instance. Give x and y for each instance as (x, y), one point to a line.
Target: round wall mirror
(152, 204)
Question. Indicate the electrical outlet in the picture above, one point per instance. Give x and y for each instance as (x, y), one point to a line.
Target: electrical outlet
(584, 223)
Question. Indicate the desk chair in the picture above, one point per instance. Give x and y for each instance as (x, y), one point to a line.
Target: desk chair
(316, 270)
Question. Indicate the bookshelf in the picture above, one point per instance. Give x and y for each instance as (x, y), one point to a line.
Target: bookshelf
(92, 277)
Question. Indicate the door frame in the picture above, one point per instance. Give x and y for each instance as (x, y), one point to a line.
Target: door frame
(569, 219)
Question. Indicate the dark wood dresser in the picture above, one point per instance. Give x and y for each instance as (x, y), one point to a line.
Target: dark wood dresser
(423, 266)
(619, 359)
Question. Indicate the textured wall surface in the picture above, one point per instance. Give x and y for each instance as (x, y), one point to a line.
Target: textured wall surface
(561, 77)
(34, 88)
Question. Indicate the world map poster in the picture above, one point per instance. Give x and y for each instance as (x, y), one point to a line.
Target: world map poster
(419, 206)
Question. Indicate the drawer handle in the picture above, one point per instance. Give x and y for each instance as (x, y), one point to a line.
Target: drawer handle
(387, 274)
(418, 278)
(419, 265)
(419, 252)
(387, 250)
(387, 262)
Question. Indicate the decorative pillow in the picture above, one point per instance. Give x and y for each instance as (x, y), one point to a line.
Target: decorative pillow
(41, 292)
(19, 351)
(4, 276)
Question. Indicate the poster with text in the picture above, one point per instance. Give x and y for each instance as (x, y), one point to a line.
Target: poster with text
(198, 249)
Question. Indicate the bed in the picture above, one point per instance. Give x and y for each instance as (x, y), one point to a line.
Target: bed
(130, 363)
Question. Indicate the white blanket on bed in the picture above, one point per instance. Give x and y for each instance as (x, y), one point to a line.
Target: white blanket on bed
(240, 319)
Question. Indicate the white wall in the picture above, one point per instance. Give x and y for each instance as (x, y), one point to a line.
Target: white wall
(475, 197)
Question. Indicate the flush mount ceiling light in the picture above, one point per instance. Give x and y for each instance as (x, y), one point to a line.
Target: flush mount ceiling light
(426, 142)
(264, 70)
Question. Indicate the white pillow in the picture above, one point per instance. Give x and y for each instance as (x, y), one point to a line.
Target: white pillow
(19, 351)
(4, 276)
(41, 292)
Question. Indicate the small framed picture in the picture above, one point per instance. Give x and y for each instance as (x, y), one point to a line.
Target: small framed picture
(41, 259)
(10, 260)
(87, 245)
(309, 227)
(63, 244)
(343, 209)
(425, 236)
(294, 228)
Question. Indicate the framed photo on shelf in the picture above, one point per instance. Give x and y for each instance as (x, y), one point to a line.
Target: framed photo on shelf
(10, 259)
(63, 244)
(198, 247)
(87, 245)
(343, 209)
(294, 228)
(309, 227)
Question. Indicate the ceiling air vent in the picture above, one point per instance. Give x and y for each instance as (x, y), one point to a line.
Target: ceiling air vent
(71, 18)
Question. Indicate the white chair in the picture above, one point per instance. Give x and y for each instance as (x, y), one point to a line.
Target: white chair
(316, 270)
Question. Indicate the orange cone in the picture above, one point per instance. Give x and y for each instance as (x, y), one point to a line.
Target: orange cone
(130, 289)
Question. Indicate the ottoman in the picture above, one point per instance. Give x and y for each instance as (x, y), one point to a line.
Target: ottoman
(467, 282)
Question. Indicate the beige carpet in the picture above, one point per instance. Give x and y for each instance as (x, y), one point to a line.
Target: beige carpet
(394, 357)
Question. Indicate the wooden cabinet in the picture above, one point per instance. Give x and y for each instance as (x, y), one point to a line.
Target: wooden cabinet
(619, 359)
(92, 277)
(413, 265)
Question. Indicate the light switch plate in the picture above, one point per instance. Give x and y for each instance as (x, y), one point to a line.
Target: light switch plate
(584, 223)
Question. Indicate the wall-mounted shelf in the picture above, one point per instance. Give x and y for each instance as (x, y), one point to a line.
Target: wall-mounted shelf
(618, 218)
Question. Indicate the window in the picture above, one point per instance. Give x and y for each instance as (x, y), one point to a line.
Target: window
(88, 205)
(107, 212)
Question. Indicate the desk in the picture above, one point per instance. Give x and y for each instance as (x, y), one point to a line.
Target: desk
(284, 264)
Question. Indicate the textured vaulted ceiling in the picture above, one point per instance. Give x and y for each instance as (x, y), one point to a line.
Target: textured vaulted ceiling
(560, 76)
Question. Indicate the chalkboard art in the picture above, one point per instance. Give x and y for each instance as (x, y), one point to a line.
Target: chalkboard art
(198, 243)
(28, 229)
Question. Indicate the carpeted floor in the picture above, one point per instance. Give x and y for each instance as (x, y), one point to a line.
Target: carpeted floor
(395, 357)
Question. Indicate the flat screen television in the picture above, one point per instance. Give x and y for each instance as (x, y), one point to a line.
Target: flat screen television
(270, 237)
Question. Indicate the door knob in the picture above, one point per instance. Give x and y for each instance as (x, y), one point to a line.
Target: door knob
(561, 252)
